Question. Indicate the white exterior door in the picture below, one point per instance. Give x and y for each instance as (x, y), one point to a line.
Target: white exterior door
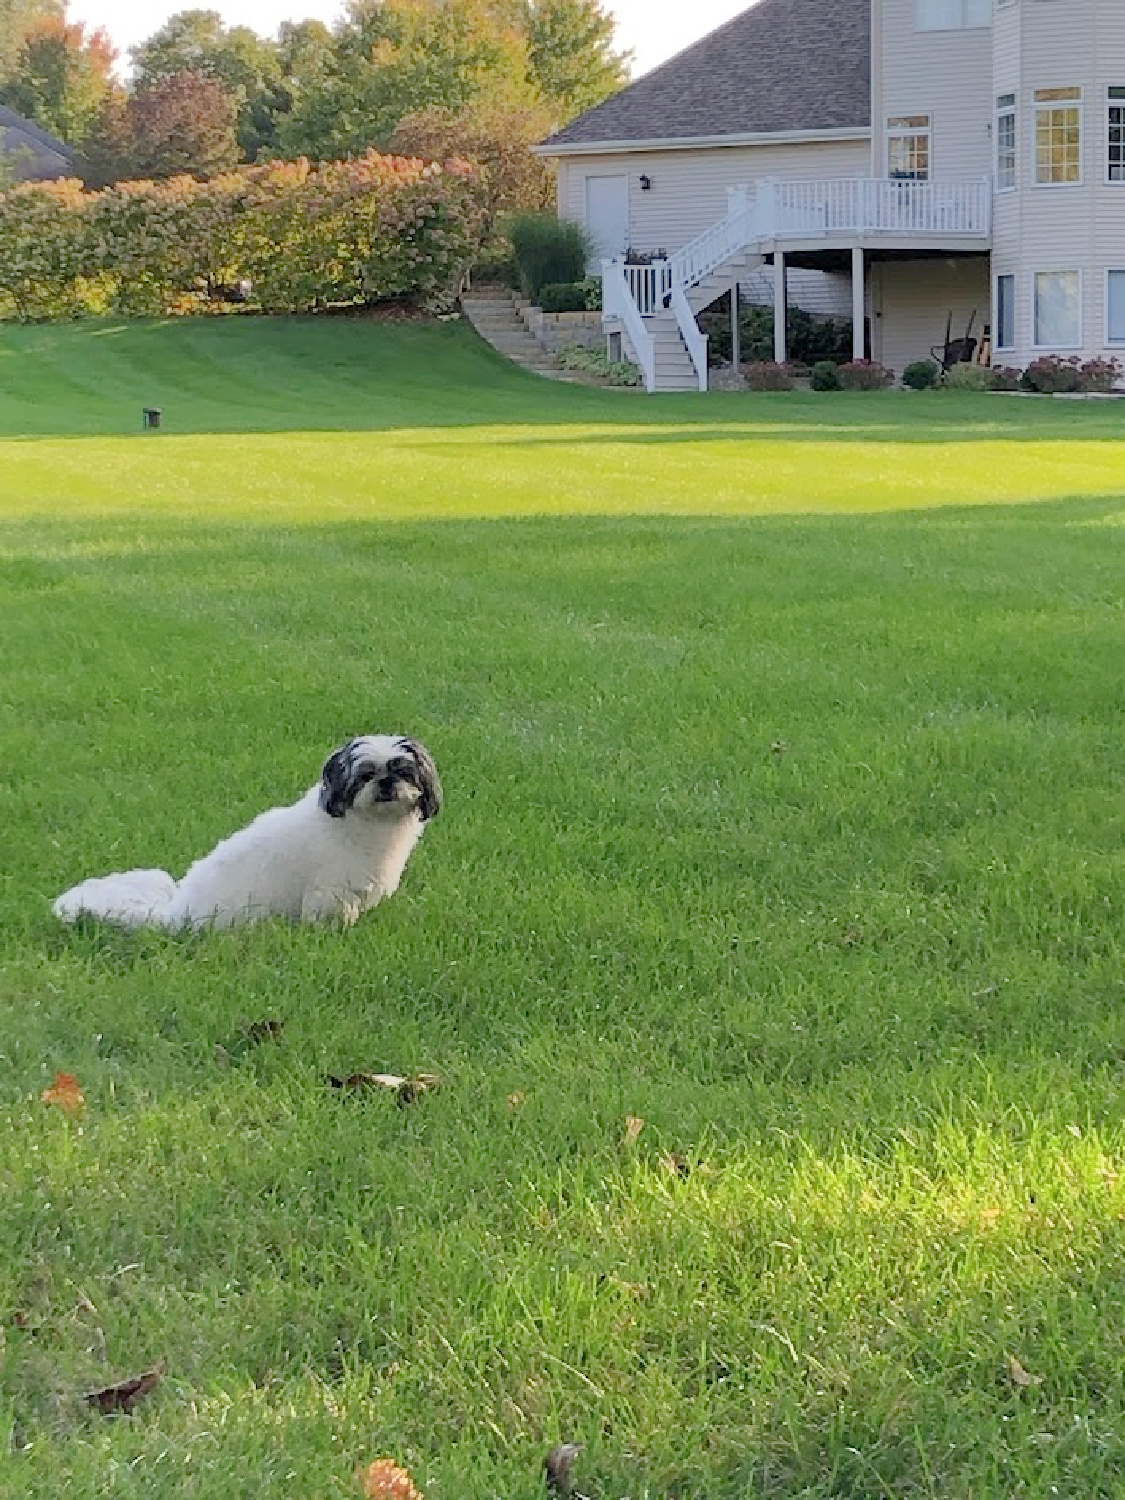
(607, 215)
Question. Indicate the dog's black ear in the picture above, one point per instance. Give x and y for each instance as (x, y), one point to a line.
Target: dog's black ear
(428, 782)
(337, 789)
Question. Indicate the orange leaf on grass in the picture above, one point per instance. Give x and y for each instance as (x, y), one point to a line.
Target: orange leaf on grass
(633, 1127)
(385, 1480)
(65, 1094)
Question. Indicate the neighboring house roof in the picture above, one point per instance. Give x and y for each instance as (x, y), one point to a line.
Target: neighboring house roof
(36, 155)
(782, 67)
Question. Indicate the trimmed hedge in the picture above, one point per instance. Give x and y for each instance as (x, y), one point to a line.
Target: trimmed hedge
(303, 237)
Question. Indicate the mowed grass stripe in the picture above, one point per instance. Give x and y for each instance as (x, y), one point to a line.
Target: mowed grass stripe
(801, 837)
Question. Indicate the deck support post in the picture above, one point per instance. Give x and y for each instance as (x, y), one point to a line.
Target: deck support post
(859, 305)
(735, 331)
(780, 341)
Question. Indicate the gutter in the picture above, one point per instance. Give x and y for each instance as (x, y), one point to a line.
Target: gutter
(698, 142)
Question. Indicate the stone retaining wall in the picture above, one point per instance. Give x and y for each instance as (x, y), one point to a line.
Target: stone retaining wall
(555, 331)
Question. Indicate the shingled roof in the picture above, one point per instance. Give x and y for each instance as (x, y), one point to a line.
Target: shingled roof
(34, 155)
(783, 65)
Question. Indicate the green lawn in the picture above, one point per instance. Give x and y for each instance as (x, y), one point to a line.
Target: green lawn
(782, 740)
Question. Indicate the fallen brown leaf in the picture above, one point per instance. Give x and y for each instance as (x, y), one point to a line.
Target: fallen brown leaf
(405, 1089)
(1020, 1376)
(516, 1101)
(557, 1464)
(385, 1480)
(633, 1127)
(675, 1163)
(125, 1395)
(65, 1094)
(263, 1031)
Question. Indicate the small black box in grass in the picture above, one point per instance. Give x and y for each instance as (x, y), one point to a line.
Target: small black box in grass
(151, 416)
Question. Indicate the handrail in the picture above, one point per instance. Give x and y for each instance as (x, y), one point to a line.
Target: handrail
(844, 207)
(689, 331)
(619, 302)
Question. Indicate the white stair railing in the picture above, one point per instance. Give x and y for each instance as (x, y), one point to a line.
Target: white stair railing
(619, 301)
(845, 208)
(689, 331)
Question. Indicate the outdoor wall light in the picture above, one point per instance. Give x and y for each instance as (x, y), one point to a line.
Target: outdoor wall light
(646, 183)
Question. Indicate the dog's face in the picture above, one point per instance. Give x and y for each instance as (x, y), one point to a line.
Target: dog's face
(380, 775)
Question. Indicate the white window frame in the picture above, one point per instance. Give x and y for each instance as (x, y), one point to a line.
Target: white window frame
(1119, 341)
(1112, 103)
(1075, 271)
(1041, 106)
(1008, 111)
(903, 131)
(1011, 278)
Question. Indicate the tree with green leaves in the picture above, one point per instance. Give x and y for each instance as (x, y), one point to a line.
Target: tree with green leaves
(395, 57)
(570, 44)
(17, 18)
(61, 77)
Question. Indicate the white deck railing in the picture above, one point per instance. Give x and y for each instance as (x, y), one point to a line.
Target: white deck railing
(872, 205)
(619, 301)
(842, 210)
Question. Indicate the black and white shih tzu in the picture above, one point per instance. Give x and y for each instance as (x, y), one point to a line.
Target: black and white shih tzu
(328, 857)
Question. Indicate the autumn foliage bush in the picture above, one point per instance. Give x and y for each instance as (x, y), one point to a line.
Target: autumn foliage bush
(304, 237)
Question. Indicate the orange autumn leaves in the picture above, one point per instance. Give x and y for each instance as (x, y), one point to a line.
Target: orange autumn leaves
(385, 1480)
(65, 1094)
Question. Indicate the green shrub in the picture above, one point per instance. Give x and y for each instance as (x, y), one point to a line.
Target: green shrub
(825, 376)
(597, 362)
(548, 251)
(304, 237)
(808, 338)
(864, 375)
(767, 375)
(563, 297)
(1004, 378)
(922, 375)
(968, 377)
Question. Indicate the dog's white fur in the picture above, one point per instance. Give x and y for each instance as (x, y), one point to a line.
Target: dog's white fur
(333, 854)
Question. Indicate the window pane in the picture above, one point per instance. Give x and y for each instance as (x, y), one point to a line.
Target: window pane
(1005, 312)
(938, 15)
(978, 12)
(1058, 144)
(1116, 142)
(1056, 310)
(1115, 311)
(1006, 149)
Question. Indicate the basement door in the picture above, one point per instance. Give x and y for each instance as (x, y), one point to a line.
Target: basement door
(607, 215)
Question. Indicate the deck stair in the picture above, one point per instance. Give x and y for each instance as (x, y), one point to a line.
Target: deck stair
(645, 304)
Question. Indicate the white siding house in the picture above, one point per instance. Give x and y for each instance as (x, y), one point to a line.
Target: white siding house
(941, 164)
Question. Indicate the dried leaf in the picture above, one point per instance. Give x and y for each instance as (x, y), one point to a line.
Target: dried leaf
(557, 1464)
(385, 1480)
(675, 1163)
(65, 1094)
(1020, 1376)
(633, 1127)
(406, 1089)
(263, 1031)
(125, 1395)
(516, 1101)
